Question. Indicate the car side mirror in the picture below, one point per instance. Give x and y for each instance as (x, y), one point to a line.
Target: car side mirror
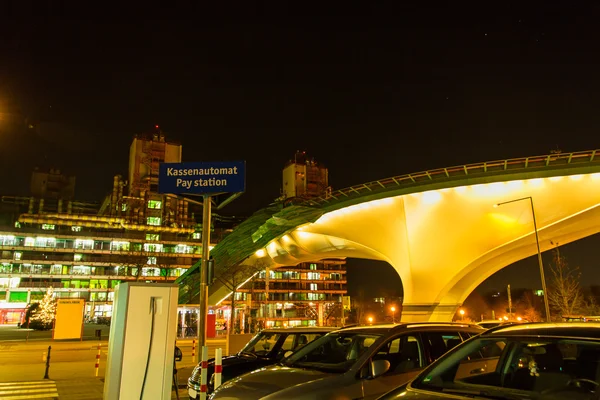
(288, 353)
(379, 367)
(178, 354)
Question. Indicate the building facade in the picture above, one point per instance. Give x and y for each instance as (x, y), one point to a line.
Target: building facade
(85, 249)
(307, 294)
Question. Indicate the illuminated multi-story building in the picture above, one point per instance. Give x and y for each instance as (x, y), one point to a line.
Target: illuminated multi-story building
(83, 249)
(310, 293)
(307, 294)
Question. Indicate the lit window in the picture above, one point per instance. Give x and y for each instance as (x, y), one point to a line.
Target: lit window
(313, 286)
(7, 240)
(182, 248)
(18, 255)
(313, 266)
(197, 235)
(119, 246)
(76, 228)
(29, 241)
(153, 247)
(84, 244)
(17, 224)
(48, 227)
(151, 261)
(150, 272)
(155, 204)
(45, 242)
(153, 221)
(123, 207)
(77, 257)
(314, 275)
(152, 236)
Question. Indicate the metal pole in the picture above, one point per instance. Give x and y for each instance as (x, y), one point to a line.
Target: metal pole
(203, 300)
(539, 253)
(48, 363)
(541, 264)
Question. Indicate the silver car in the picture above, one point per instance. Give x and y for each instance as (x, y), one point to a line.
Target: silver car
(350, 363)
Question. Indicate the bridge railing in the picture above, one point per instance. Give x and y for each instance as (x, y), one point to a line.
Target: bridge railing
(513, 164)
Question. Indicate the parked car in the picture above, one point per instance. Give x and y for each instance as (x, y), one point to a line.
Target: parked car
(266, 348)
(357, 362)
(522, 361)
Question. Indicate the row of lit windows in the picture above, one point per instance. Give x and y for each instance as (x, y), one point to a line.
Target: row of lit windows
(89, 244)
(286, 296)
(300, 275)
(57, 269)
(22, 297)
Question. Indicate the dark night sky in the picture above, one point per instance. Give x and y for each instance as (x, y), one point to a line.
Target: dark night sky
(371, 92)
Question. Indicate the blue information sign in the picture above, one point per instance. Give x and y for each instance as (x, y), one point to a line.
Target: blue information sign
(202, 177)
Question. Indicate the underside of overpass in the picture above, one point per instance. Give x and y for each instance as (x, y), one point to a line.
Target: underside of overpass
(439, 231)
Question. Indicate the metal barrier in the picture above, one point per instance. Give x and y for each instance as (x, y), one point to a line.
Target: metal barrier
(97, 366)
(204, 373)
(218, 367)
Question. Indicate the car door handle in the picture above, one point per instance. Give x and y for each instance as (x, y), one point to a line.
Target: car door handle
(477, 371)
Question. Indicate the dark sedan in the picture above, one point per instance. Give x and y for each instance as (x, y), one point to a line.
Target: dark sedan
(266, 348)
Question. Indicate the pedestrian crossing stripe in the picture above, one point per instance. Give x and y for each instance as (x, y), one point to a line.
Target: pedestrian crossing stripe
(28, 390)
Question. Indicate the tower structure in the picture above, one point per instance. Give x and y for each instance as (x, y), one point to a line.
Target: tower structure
(303, 177)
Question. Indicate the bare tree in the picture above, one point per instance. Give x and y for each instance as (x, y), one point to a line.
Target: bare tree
(360, 306)
(565, 294)
(528, 309)
(591, 306)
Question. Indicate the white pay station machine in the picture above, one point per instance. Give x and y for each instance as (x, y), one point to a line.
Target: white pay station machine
(141, 346)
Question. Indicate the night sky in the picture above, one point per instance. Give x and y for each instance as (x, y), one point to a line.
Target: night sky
(370, 92)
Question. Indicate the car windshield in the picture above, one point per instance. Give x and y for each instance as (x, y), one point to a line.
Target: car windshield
(517, 367)
(334, 352)
(262, 344)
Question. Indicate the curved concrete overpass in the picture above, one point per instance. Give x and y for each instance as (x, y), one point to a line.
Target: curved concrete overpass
(438, 229)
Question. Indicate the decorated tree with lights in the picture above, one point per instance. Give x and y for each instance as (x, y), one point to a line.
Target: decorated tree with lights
(44, 314)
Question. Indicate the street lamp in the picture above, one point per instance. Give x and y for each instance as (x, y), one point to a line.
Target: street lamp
(462, 314)
(539, 253)
(370, 319)
(393, 312)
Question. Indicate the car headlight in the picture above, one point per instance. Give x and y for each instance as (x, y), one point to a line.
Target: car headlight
(195, 377)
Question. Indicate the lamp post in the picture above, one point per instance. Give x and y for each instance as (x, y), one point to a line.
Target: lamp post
(393, 314)
(539, 253)
(370, 319)
(462, 315)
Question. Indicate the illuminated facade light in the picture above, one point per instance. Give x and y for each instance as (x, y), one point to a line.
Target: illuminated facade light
(260, 253)
(536, 183)
(431, 197)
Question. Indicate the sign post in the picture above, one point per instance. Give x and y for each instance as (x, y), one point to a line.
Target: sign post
(206, 179)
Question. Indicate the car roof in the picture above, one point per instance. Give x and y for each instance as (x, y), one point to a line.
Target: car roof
(302, 329)
(385, 328)
(582, 330)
